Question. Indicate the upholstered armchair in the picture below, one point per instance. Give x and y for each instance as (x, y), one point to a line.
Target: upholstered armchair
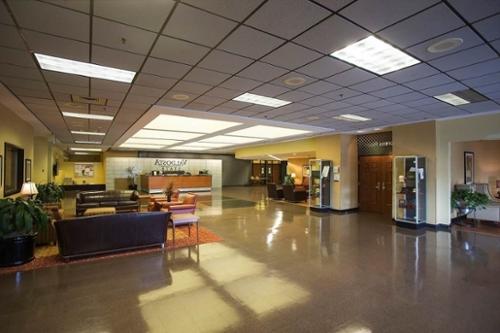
(274, 192)
(294, 195)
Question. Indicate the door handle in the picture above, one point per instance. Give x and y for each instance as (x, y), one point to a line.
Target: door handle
(383, 186)
(378, 186)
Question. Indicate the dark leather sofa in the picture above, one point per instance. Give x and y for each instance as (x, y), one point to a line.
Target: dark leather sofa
(123, 201)
(87, 236)
(293, 194)
(274, 192)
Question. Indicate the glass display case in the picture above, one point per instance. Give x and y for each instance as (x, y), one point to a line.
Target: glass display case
(409, 189)
(320, 184)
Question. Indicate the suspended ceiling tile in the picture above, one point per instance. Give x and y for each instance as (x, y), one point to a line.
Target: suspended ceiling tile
(197, 26)
(350, 77)
(287, 18)
(319, 87)
(165, 68)
(224, 62)
(269, 90)
(324, 67)
(239, 83)
(57, 46)
(475, 10)
(250, 43)
(178, 50)
(51, 19)
(464, 58)
(262, 71)
(147, 14)
(236, 10)
(150, 80)
(291, 56)
(322, 39)
(206, 76)
(116, 59)
(427, 24)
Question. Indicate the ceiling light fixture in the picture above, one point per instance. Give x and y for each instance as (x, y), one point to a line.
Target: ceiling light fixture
(207, 144)
(375, 55)
(268, 132)
(189, 124)
(180, 97)
(351, 117)
(169, 135)
(452, 99)
(261, 100)
(230, 139)
(313, 118)
(87, 116)
(155, 142)
(140, 146)
(445, 45)
(188, 148)
(88, 133)
(85, 149)
(88, 142)
(294, 81)
(83, 68)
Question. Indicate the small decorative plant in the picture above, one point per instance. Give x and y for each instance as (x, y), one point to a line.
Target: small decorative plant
(466, 201)
(49, 193)
(19, 217)
(289, 180)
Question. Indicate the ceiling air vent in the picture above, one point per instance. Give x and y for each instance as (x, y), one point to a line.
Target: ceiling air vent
(470, 95)
(88, 100)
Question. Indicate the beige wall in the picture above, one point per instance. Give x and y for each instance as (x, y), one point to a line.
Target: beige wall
(486, 158)
(340, 149)
(16, 131)
(295, 165)
(420, 140)
(42, 160)
(67, 170)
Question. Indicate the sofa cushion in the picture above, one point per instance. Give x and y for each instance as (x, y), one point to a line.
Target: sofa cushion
(127, 203)
(108, 203)
(88, 205)
(189, 199)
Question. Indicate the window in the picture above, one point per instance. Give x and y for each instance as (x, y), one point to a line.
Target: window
(14, 167)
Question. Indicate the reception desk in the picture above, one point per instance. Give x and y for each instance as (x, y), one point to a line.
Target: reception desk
(158, 184)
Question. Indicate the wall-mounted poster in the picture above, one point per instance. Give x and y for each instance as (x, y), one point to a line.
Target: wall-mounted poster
(27, 170)
(84, 169)
(468, 167)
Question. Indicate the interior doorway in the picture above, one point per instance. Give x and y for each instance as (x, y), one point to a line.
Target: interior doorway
(375, 184)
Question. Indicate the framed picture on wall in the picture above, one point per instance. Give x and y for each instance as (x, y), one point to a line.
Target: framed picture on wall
(468, 167)
(84, 169)
(27, 170)
(1, 170)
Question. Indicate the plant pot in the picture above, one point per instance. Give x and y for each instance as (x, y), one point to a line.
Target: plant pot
(17, 250)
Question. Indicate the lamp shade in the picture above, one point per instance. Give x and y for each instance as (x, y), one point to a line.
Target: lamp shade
(293, 175)
(29, 189)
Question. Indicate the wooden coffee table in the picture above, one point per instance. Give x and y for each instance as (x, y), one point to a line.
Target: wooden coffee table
(99, 211)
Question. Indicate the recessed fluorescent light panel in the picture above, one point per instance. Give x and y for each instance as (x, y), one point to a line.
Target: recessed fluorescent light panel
(88, 133)
(87, 116)
(452, 99)
(168, 135)
(351, 117)
(156, 142)
(206, 144)
(85, 149)
(268, 132)
(375, 55)
(231, 139)
(88, 142)
(261, 100)
(188, 124)
(140, 146)
(188, 148)
(83, 68)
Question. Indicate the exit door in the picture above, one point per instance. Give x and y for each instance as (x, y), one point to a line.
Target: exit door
(375, 184)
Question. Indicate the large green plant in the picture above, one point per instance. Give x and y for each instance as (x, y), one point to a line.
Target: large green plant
(21, 217)
(289, 180)
(49, 193)
(461, 199)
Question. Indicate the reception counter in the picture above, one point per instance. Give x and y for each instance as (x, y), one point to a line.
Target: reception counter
(158, 184)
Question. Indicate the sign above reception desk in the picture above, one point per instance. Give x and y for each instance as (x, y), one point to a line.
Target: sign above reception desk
(117, 176)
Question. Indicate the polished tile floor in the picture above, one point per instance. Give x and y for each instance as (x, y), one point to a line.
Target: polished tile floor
(279, 269)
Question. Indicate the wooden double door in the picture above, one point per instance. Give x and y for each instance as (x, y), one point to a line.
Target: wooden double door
(375, 184)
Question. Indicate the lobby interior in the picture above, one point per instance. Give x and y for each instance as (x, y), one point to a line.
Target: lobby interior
(250, 166)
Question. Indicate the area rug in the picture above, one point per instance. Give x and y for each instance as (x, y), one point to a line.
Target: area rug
(47, 256)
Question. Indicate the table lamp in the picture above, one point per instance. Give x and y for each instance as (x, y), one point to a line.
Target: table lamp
(29, 189)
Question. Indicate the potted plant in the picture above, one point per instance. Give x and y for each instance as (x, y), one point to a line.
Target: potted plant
(169, 191)
(132, 173)
(289, 180)
(467, 201)
(50, 194)
(19, 221)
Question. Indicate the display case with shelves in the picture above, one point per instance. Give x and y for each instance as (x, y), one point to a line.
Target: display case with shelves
(320, 184)
(409, 189)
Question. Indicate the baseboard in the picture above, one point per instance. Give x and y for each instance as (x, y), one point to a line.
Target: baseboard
(428, 226)
(344, 211)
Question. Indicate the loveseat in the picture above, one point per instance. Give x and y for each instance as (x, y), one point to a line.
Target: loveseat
(122, 201)
(87, 236)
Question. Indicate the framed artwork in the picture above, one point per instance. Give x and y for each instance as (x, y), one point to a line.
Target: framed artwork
(1, 170)
(27, 170)
(468, 167)
(84, 169)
